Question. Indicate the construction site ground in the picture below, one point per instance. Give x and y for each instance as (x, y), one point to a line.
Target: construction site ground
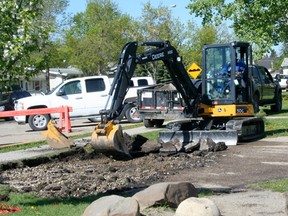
(227, 173)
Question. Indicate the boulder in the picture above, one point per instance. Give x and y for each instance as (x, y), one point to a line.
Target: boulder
(168, 149)
(150, 147)
(113, 206)
(197, 207)
(206, 144)
(192, 146)
(171, 193)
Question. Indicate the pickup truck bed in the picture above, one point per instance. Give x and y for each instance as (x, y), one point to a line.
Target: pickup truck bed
(158, 103)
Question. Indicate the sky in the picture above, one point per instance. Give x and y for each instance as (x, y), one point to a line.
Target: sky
(134, 7)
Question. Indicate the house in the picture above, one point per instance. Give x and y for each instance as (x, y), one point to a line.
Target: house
(284, 66)
(37, 84)
(267, 63)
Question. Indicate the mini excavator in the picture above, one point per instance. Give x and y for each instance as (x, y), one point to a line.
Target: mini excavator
(223, 111)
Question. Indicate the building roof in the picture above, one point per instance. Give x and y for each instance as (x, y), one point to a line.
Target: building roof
(66, 71)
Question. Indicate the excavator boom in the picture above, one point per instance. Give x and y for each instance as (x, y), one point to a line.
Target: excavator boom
(108, 136)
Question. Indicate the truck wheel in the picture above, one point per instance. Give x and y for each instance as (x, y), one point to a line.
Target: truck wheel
(159, 122)
(278, 103)
(256, 104)
(38, 122)
(148, 123)
(132, 115)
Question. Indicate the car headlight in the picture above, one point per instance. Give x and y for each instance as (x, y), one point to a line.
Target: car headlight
(2, 108)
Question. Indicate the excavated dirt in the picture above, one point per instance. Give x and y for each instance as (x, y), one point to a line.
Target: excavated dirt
(82, 173)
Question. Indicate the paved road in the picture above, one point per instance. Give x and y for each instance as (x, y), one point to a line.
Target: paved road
(12, 133)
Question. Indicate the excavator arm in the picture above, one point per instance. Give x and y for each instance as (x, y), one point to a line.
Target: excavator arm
(108, 136)
(173, 62)
(160, 51)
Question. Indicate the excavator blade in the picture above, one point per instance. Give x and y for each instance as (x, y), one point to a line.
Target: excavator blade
(230, 137)
(55, 138)
(107, 138)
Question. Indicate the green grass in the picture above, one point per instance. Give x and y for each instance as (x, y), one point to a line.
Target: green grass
(280, 185)
(31, 204)
(151, 135)
(22, 146)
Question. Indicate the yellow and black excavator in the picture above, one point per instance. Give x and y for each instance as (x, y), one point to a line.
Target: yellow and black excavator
(223, 111)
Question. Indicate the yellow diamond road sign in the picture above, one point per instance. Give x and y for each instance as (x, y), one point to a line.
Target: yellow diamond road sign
(194, 70)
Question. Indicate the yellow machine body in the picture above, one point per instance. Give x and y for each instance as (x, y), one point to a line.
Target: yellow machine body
(55, 138)
(226, 110)
(108, 138)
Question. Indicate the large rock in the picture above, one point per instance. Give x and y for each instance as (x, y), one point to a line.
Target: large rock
(150, 147)
(197, 207)
(168, 149)
(113, 206)
(209, 145)
(171, 193)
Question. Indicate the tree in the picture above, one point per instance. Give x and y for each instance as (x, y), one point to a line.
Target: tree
(157, 24)
(261, 22)
(48, 56)
(21, 33)
(97, 36)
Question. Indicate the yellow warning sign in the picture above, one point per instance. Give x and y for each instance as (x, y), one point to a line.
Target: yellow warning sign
(194, 70)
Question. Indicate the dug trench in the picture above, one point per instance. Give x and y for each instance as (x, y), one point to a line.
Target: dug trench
(82, 172)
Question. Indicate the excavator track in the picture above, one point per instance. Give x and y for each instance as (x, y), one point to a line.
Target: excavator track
(242, 129)
(248, 129)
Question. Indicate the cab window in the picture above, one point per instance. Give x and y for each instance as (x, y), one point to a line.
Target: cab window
(70, 88)
(94, 85)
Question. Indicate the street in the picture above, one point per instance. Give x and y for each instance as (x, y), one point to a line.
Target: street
(12, 133)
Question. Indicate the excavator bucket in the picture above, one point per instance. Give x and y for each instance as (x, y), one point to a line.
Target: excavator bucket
(55, 138)
(230, 137)
(108, 138)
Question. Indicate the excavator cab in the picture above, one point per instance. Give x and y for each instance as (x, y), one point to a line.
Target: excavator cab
(226, 86)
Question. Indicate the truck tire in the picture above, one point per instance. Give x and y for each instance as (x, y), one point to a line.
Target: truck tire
(278, 103)
(256, 103)
(39, 122)
(158, 122)
(148, 123)
(132, 115)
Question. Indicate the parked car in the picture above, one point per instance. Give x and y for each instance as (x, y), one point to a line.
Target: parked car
(7, 99)
(283, 81)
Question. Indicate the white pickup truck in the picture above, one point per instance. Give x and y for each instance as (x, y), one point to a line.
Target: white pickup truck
(86, 95)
